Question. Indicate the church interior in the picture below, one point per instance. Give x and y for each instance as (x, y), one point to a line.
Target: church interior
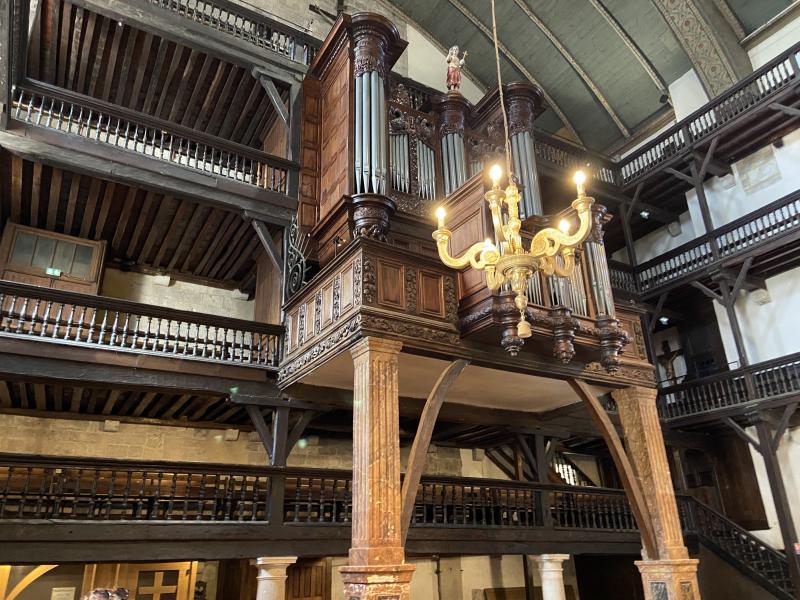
(399, 299)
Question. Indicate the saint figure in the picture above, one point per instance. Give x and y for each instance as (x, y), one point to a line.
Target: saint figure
(454, 64)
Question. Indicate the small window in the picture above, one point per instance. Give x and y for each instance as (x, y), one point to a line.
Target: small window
(54, 256)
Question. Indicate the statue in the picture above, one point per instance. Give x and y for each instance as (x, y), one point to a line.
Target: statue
(667, 360)
(454, 64)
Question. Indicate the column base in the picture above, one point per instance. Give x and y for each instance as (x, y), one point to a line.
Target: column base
(669, 579)
(377, 582)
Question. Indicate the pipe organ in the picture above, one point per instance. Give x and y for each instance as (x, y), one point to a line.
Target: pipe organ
(374, 156)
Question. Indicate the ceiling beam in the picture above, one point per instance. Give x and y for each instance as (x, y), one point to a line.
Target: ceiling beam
(520, 67)
(575, 66)
(630, 43)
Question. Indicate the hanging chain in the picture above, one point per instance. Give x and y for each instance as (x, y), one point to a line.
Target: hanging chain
(502, 97)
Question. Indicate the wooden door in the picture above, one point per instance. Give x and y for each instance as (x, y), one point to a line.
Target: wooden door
(309, 580)
(161, 581)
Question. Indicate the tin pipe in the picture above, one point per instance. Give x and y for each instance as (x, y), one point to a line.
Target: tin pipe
(381, 108)
(358, 131)
(365, 131)
(374, 131)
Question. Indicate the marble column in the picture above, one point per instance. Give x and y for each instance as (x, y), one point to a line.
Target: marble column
(671, 575)
(376, 569)
(272, 576)
(551, 574)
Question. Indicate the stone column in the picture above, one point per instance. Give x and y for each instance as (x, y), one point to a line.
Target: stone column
(376, 568)
(272, 576)
(551, 574)
(671, 575)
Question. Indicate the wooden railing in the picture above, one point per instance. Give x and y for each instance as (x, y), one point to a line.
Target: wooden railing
(57, 316)
(769, 379)
(748, 94)
(247, 25)
(59, 489)
(566, 155)
(765, 564)
(764, 225)
(113, 490)
(41, 105)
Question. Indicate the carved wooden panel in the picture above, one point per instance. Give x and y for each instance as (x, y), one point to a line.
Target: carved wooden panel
(391, 284)
(309, 154)
(631, 323)
(431, 300)
(335, 132)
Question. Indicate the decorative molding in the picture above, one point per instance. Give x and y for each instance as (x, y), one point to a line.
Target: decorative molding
(411, 289)
(368, 280)
(321, 349)
(698, 39)
(410, 330)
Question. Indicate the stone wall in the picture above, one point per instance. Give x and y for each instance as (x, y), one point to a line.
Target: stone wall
(133, 441)
(181, 295)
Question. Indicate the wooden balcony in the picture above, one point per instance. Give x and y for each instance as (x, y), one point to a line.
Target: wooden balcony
(732, 393)
(40, 314)
(769, 234)
(212, 511)
(44, 106)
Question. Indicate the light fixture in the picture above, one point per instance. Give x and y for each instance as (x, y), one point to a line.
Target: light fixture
(645, 214)
(513, 263)
(551, 250)
(663, 320)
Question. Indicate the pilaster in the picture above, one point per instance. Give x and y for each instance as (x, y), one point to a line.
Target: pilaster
(671, 575)
(376, 568)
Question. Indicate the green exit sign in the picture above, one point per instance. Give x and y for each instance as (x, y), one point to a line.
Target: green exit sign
(53, 272)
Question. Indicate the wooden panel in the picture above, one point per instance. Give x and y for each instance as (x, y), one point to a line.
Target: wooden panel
(309, 580)
(335, 151)
(431, 294)
(309, 154)
(391, 284)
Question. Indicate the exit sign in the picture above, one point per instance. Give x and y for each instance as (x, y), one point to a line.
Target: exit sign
(53, 272)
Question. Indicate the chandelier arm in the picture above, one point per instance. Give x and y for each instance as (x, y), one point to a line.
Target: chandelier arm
(477, 256)
(569, 264)
(550, 240)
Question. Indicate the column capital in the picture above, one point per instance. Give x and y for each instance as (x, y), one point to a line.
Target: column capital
(375, 344)
(635, 393)
(276, 561)
(543, 558)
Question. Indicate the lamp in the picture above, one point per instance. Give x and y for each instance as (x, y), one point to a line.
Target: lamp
(515, 264)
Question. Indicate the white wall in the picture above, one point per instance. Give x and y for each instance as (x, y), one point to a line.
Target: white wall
(785, 37)
(181, 295)
(687, 94)
(789, 460)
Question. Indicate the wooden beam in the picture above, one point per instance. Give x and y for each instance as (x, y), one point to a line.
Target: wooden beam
(738, 430)
(788, 110)
(257, 418)
(298, 428)
(783, 424)
(682, 176)
(280, 433)
(625, 470)
(422, 440)
(269, 244)
(707, 291)
(274, 96)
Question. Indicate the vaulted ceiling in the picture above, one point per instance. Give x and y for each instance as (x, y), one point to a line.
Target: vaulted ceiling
(603, 64)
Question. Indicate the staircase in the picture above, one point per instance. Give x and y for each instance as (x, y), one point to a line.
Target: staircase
(740, 548)
(737, 546)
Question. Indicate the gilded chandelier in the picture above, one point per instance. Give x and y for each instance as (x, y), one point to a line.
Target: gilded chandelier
(515, 264)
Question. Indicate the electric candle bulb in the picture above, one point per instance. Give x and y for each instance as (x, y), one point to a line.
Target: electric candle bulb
(440, 216)
(580, 179)
(488, 245)
(563, 225)
(495, 173)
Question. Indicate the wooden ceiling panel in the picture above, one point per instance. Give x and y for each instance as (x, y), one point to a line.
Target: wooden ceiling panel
(88, 53)
(145, 230)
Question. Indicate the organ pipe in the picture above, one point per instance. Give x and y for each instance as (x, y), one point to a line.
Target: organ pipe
(371, 152)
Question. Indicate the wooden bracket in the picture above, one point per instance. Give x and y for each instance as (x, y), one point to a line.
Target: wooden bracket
(630, 483)
(788, 110)
(269, 244)
(737, 429)
(422, 440)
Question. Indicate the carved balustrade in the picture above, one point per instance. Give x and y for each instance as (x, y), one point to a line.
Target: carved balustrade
(34, 313)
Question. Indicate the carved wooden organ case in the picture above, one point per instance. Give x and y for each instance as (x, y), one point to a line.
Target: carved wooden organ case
(378, 154)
